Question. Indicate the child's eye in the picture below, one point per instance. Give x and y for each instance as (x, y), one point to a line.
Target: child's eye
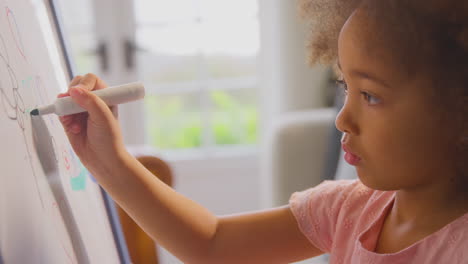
(342, 84)
(370, 99)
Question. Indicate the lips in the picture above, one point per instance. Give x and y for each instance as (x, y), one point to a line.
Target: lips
(350, 157)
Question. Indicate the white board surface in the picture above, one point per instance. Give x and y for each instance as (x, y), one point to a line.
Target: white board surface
(51, 210)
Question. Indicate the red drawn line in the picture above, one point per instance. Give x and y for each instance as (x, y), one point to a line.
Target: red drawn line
(18, 42)
(66, 160)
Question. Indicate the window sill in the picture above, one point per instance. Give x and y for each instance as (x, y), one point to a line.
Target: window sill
(197, 154)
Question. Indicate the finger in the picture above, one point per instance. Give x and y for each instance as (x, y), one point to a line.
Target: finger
(74, 124)
(75, 128)
(75, 80)
(115, 111)
(91, 82)
(65, 119)
(66, 123)
(98, 110)
(60, 95)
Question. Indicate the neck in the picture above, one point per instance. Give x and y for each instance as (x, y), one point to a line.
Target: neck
(437, 204)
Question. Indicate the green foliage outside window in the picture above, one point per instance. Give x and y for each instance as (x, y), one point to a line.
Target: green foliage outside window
(174, 125)
(234, 123)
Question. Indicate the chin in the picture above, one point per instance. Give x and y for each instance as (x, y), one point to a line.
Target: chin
(376, 183)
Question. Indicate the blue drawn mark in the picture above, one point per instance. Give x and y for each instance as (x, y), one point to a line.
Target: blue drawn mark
(72, 155)
(92, 178)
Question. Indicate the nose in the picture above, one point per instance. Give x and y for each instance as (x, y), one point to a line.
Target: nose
(345, 121)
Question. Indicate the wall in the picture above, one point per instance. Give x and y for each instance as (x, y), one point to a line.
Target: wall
(224, 185)
(288, 83)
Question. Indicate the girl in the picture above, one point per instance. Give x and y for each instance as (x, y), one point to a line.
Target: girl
(404, 66)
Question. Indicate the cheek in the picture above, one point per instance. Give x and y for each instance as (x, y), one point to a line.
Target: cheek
(397, 149)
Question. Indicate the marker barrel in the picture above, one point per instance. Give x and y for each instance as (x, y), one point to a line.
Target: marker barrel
(111, 96)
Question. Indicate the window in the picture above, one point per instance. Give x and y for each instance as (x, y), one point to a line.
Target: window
(78, 22)
(199, 66)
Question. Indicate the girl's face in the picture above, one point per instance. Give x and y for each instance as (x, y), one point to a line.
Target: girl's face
(388, 120)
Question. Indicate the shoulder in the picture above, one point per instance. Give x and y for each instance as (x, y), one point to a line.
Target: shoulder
(321, 209)
(451, 240)
(334, 193)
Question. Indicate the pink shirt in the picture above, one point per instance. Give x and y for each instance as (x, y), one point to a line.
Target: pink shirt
(344, 218)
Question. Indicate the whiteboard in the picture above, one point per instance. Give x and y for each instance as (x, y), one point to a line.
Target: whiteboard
(51, 209)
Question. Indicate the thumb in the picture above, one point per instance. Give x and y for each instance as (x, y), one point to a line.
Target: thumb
(98, 110)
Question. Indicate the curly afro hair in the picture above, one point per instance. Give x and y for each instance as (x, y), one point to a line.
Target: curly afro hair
(426, 37)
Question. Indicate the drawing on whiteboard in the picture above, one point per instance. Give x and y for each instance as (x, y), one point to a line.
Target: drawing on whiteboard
(12, 102)
(13, 105)
(66, 160)
(78, 173)
(78, 183)
(15, 31)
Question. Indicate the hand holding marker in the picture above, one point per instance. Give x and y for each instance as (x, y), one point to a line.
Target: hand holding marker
(111, 96)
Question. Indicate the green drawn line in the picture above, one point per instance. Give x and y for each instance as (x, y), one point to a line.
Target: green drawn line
(79, 183)
(28, 79)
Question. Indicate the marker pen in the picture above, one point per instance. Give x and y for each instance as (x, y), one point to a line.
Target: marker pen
(111, 96)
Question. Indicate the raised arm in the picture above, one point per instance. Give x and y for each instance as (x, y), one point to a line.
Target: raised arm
(185, 228)
(195, 235)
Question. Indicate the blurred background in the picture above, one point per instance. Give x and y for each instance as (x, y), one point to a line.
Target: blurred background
(231, 103)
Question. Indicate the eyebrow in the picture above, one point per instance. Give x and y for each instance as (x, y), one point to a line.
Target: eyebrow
(365, 75)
